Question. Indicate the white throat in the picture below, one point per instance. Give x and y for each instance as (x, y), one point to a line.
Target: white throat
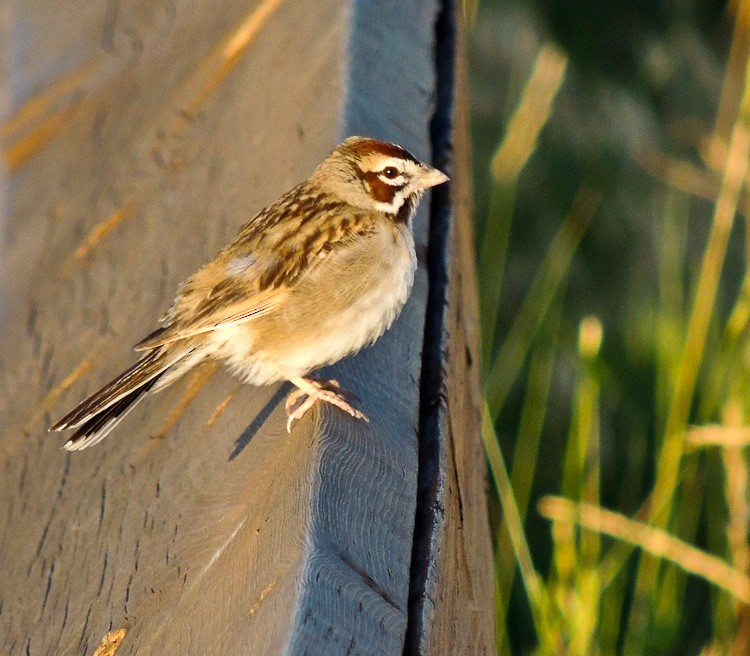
(394, 206)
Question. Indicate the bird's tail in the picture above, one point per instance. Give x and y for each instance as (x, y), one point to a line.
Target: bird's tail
(96, 416)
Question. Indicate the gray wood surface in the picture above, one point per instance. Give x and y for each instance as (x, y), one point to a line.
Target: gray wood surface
(137, 136)
(451, 595)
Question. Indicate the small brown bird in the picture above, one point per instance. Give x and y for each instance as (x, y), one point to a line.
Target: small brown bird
(315, 276)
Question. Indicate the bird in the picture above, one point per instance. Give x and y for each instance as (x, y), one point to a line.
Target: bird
(315, 276)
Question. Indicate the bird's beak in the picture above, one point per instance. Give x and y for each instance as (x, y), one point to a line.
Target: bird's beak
(430, 177)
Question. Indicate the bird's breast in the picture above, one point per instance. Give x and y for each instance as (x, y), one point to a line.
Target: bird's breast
(340, 306)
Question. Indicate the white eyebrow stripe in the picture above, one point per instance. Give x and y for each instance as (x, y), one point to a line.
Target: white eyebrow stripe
(398, 181)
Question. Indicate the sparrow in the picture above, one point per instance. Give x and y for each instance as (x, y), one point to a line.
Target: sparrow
(317, 275)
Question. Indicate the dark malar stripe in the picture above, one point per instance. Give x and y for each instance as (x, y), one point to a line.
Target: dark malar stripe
(405, 212)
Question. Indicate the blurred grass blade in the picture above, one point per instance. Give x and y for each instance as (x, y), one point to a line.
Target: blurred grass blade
(577, 560)
(736, 61)
(511, 156)
(654, 540)
(670, 317)
(708, 435)
(531, 581)
(735, 170)
(493, 251)
(670, 453)
(735, 466)
(469, 11)
(736, 489)
(526, 450)
(588, 580)
(584, 423)
(532, 113)
(727, 360)
(553, 270)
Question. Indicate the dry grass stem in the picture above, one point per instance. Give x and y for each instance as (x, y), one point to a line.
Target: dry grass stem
(654, 540)
(718, 435)
(705, 299)
(531, 115)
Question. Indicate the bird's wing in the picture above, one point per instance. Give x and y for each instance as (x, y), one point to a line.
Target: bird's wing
(254, 275)
(234, 300)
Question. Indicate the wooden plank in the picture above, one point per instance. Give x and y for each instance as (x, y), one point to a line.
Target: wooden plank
(169, 538)
(451, 599)
(138, 138)
(392, 101)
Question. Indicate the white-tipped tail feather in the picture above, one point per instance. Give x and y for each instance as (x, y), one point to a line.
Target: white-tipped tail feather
(103, 422)
(95, 417)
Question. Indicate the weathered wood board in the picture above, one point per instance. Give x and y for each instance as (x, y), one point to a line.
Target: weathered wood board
(451, 596)
(137, 136)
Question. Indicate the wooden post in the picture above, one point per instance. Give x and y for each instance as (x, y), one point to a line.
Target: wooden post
(137, 138)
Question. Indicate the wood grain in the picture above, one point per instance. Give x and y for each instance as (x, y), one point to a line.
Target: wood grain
(451, 596)
(137, 136)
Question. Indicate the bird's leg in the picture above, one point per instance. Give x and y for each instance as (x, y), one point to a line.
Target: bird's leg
(294, 396)
(330, 385)
(314, 390)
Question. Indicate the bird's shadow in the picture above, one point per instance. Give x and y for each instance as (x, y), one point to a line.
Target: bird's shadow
(249, 433)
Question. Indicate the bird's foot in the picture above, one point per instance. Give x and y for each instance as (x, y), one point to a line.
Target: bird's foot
(311, 390)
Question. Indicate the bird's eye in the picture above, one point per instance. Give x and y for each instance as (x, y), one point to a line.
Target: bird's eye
(390, 172)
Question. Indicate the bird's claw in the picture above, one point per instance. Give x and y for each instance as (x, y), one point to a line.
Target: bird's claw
(328, 391)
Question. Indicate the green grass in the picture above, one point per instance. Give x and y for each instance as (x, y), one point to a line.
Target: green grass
(618, 393)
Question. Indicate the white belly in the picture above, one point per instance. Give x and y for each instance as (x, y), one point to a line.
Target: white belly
(346, 303)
